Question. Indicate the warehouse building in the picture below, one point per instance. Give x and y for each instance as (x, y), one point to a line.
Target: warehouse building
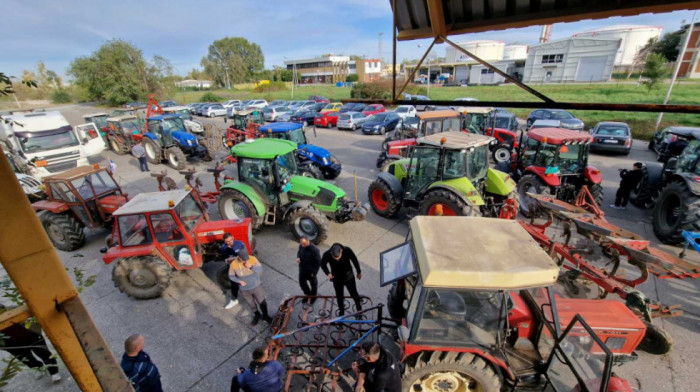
(632, 39)
(324, 69)
(571, 60)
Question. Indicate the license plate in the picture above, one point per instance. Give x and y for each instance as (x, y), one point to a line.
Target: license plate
(610, 141)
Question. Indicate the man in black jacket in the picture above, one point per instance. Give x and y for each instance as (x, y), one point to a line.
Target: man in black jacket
(379, 372)
(138, 367)
(309, 260)
(340, 257)
(630, 179)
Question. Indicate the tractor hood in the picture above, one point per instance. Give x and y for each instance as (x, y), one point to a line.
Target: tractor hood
(185, 138)
(324, 195)
(320, 153)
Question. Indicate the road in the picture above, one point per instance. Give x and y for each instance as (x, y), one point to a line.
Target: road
(198, 345)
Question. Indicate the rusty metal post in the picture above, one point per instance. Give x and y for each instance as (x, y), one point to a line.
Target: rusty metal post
(417, 66)
(33, 265)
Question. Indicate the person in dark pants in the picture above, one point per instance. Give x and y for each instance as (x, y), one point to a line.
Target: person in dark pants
(138, 367)
(140, 153)
(230, 250)
(309, 260)
(630, 179)
(379, 372)
(27, 345)
(262, 375)
(340, 257)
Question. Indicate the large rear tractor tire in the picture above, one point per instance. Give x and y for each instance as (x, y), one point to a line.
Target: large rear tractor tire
(235, 205)
(309, 222)
(141, 277)
(153, 150)
(450, 371)
(387, 162)
(117, 146)
(382, 199)
(532, 184)
(656, 340)
(597, 193)
(176, 158)
(502, 154)
(677, 209)
(452, 205)
(65, 232)
(310, 170)
(644, 195)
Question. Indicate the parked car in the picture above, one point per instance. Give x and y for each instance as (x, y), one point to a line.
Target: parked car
(295, 105)
(168, 103)
(419, 107)
(272, 113)
(326, 119)
(545, 124)
(231, 102)
(192, 106)
(611, 136)
(257, 104)
(214, 110)
(332, 107)
(504, 119)
(237, 108)
(466, 99)
(319, 98)
(286, 116)
(307, 104)
(277, 102)
(352, 107)
(567, 119)
(373, 109)
(198, 111)
(351, 120)
(303, 116)
(381, 123)
(317, 107)
(404, 111)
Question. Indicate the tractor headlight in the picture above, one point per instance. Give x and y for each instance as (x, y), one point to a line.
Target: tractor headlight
(334, 159)
(326, 161)
(311, 154)
(190, 142)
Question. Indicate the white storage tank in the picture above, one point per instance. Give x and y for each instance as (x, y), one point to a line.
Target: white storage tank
(515, 52)
(485, 49)
(633, 37)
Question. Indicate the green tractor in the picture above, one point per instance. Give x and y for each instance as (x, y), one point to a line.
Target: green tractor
(269, 190)
(446, 174)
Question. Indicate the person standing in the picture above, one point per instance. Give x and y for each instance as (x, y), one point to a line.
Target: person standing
(247, 274)
(140, 153)
(379, 372)
(262, 375)
(27, 345)
(138, 367)
(340, 258)
(230, 250)
(630, 179)
(309, 260)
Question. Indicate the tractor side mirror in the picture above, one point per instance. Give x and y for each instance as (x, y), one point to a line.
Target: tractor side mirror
(103, 250)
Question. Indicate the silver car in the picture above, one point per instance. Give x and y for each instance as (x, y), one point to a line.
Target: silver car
(285, 116)
(214, 110)
(273, 113)
(351, 120)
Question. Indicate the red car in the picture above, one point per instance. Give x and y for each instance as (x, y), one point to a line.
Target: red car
(319, 98)
(327, 119)
(373, 109)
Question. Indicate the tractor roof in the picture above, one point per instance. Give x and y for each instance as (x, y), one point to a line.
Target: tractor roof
(72, 174)
(479, 253)
(96, 115)
(280, 127)
(152, 202)
(437, 114)
(455, 140)
(559, 136)
(163, 117)
(478, 110)
(122, 118)
(264, 148)
(685, 131)
(246, 112)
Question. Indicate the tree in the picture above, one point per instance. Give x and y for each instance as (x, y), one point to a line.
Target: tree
(196, 74)
(352, 78)
(286, 75)
(654, 70)
(233, 60)
(669, 45)
(118, 73)
(6, 87)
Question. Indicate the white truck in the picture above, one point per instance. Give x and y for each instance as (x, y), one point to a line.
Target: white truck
(47, 143)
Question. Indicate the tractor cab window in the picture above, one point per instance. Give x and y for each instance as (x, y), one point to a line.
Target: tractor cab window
(286, 167)
(165, 229)
(99, 182)
(478, 163)
(688, 160)
(258, 173)
(239, 122)
(455, 164)
(423, 169)
(541, 301)
(297, 136)
(432, 127)
(546, 155)
(529, 151)
(570, 158)
(189, 212)
(60, 190)
(134, 230)
(474, 123)
(184, 114)
(172, 124)
(129, 127)
(451, 124)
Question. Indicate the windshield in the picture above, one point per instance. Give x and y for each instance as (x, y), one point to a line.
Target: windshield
(612, 131)
(688, 160)
(184, 114)
(297, 136)
(401, 110)
(562, 115)
(189, 212)
(100, 121)
(378, 117)
(172, 124)
(286, 166)
(130, 126)
(502, 122)
(569, 159)
(62, 137)
(474, 123)
(100, 182)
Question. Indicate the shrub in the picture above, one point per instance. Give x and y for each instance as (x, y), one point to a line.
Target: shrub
(60, 96)
(352, 78)
(415, 89)
(211, 97)
(270, 87)
(655, 69)
(375, 90)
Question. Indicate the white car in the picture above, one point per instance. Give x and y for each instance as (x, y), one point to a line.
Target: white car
(258, 103)
(273, 113)
(404, 111)
(214, 110)
(351, 120)
(231, 102)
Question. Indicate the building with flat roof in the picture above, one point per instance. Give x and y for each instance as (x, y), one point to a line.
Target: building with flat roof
(367, 70)
(571, 60)
(324, 69)
(632, 39)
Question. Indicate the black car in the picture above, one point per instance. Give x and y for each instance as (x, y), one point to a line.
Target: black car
(305, 117)
(567, 119)
(381, 123)
(317, 107)
(353, 107)
(168, 103)
(673, 141)
(611, 136)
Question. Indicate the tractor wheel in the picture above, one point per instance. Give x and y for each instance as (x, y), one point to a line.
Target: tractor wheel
(176, 158)
(141, 277)
(597, 193)
(450, 371)
(677, 209)
(452, 205)
(310, 170)
(387, 162)
(330, 174)
(501, 154)
(211, 154)
(309, 222)
(65, 232)
(532, 184)
(382, 199)
(235, 205)
(647, 190)
(656, 340)
(117, 146)
(153, 150)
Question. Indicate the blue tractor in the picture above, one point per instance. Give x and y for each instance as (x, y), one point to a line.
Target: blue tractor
(313, 161)
(166, 139)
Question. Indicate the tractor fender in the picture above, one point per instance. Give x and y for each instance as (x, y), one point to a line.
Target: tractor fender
(117, 252)
(499, 183)
(552, 180)
(183, 138)
(691, 180)
(593, 175)
(394, 184)
(462, 188)
(296, 205)
(150, 136)
(318, 155)
(250, 193)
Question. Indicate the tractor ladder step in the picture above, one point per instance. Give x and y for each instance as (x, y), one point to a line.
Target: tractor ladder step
(271, 216)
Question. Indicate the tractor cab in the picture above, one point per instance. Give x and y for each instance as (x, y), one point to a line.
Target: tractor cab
(167, 139)
(246, 125)
(269, 172)
(164, 127)
(471, 310)
(476, 119)
(124, 112)
(242, 118)
(181, 111)
(123, 132)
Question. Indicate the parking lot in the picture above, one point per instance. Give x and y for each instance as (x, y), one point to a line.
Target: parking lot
(197, 345)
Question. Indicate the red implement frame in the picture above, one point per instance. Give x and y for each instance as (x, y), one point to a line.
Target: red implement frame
(167, 183)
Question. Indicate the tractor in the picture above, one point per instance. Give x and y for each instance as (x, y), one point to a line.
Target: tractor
(123, 132)
(167, 139)
(482, 315)
(268, 191)
(495, 123)
(312, 161)
(161, 232)
(448, 174)
(86, 196)
(246, 125)
(553, 161)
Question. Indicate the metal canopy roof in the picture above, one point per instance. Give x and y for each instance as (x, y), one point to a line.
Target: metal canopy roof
(414, 19)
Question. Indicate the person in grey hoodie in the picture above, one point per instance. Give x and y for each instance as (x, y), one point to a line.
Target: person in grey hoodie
(247, 273)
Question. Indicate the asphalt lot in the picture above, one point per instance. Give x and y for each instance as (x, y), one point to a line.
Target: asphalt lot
(197, 345)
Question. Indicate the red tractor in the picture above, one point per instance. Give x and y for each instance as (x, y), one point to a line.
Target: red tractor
(86, 196)
(553, 161)
(161, 232)
(246, 125)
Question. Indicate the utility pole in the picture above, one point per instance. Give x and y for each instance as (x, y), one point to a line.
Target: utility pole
(380, 46)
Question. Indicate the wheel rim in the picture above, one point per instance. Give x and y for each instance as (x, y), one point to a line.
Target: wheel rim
(236, 209)
(55, 232)
(307, 173)
(173, 160)
(142, 278)
(379, 199)
(306, 227)
(448, 382)
(115, 146)
(446, 210)
(501, 155)
(672, 210)
(150, 151)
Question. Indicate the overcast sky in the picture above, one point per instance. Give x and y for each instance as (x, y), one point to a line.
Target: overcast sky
(56, 32)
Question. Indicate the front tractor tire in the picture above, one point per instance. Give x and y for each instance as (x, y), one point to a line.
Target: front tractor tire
(65, 232)
(677, 209)
(141, 277)
(310, 170)
(450, 371)
(451, 204)
(176, 158)
(153, 150)
(532, 184)
(309, 222)
(235, 205)
(597, 193)
(382, 199)
(656, 340)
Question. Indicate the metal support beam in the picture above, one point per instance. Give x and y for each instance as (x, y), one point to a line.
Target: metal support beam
(413, 73)
(393, 56)
(437, 19)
